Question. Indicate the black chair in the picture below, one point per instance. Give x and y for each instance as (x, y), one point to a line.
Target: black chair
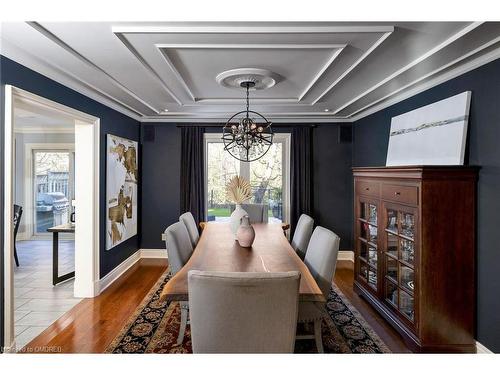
(18, 212)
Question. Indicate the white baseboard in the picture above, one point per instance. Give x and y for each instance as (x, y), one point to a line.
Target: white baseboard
(481, 349)
(346, 255)
(111, 277)
(154, 253)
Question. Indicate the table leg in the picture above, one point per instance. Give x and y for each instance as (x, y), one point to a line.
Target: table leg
(55, 257)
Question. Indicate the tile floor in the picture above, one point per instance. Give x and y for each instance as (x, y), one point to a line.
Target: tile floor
(37, 303)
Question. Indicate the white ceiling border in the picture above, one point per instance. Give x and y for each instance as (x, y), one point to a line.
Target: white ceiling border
(71, 81)
(55, 39)
(418, 60)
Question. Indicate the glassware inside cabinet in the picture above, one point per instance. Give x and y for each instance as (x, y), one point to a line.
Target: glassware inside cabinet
(392, 220)
(372, 214)
(373, 234)
(408, 225)
(372, 277)
(407, 251)
(407, 277)
(372, 256)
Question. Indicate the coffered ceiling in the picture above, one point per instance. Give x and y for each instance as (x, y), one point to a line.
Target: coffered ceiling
(324, 71)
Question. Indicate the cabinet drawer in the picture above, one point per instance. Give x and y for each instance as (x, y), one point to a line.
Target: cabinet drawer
(364, 187)
(400, 193)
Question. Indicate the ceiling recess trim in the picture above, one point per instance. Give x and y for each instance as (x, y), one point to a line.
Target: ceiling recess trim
(338, 48)
(249, 29)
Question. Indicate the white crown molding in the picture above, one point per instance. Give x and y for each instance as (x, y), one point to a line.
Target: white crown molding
(374, 46)
(418, 60)
(46, 33)
(222, 120)
(481, 349)
(462, 69)
(249, 29)
(67, 79)
(434, 72)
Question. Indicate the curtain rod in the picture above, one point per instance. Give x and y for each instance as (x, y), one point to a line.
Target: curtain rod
(220, 125)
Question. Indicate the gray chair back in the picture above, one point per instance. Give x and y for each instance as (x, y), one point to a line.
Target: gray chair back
(243, 312)
(257, 213)
(178, 244)
(302, 235)
(188, 220)
(321, 257)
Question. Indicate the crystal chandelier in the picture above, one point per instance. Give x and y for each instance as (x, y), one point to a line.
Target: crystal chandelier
(247, 138)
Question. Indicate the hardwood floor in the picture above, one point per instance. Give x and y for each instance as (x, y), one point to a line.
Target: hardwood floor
(92, 324)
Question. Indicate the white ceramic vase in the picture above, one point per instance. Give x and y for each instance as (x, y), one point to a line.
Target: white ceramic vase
(246, 233)
(235, 219)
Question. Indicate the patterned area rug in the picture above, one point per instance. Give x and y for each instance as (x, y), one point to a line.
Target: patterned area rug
(154, 326)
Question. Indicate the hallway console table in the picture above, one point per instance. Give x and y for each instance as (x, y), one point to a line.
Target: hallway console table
(63, 228)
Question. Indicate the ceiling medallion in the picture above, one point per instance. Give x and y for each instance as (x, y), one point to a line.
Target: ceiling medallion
(247, 135)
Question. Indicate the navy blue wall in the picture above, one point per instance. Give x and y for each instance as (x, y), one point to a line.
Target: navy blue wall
(332, 182)
(371, 135)
(111, 121)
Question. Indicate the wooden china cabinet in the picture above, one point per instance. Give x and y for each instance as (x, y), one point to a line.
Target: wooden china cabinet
(415, 252)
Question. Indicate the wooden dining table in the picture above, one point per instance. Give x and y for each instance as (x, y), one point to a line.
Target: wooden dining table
(217, 250)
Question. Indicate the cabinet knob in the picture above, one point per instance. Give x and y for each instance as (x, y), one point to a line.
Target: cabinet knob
(397, 193)
(367, 188)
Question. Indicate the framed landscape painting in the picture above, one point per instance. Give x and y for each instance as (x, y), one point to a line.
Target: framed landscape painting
(432, 135)
(121, 189)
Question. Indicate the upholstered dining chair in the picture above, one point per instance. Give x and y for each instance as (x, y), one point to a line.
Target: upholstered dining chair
(243, 312)
(302, 235)
(188, 220)
(18, 213)
(258, 213)
(179, 250)
(321, 260)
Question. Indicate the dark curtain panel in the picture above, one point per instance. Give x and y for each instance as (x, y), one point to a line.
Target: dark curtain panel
(192, 172)
(300, 173)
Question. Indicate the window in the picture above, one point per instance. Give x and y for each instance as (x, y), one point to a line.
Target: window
(268, 176)
(53, 182)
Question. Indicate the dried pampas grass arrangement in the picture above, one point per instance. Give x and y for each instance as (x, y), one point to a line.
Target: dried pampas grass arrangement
(238, 190)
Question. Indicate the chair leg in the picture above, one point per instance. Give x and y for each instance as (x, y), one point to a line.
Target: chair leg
(184, 320)
(15, 256)
(317, 336)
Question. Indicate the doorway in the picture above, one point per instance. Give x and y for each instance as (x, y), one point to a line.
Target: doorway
(52, 174)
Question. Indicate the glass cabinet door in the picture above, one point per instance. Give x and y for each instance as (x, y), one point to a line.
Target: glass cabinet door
(399, 284)
(367, 219)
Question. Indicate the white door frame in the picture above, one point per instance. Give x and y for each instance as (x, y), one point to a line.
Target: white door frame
(87, 135)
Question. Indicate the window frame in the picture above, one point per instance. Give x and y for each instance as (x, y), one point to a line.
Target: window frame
(283, 138)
